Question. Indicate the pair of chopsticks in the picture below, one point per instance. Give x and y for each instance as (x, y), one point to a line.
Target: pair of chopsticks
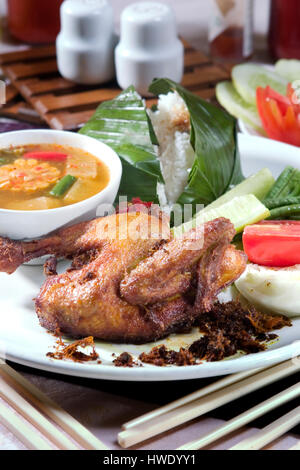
(29, 402)
(213, 396)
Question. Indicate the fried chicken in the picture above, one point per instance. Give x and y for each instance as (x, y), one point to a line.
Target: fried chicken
(128, 282)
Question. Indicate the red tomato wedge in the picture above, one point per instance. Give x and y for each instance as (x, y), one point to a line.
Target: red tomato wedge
(49, 156)
(280, 115)
(273, 243)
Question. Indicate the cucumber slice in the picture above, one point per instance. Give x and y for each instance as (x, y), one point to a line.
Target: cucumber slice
(229, 98)
(259, 185)
(247, 77)
(289, 69)
(242, 211)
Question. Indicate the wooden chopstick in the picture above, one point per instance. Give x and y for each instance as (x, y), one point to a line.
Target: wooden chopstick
(24, 408)
(244, 418)
(296, 446)
(270, 432)
(69, 424)
(228, 380)
(199, 407)
(21, 430)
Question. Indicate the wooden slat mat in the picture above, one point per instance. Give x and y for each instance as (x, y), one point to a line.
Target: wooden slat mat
(17, 108)
(65, 105)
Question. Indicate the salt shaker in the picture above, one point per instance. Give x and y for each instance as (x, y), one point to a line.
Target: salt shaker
(85, 45)
(149, 46)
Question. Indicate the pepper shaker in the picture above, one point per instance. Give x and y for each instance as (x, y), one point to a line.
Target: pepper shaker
(149, 46)
(85, 45)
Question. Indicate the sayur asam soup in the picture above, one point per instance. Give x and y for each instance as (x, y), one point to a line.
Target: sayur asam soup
(47, 176)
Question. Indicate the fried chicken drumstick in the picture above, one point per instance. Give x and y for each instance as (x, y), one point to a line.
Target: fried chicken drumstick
(127, 283)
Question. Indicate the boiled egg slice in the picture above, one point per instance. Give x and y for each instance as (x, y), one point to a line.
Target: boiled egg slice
(275, 290)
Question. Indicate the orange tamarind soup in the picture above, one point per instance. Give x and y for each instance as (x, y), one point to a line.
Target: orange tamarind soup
(47, 176)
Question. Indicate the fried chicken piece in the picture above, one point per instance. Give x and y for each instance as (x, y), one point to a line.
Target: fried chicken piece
(170, 269)
(217, 269)
(86, 300)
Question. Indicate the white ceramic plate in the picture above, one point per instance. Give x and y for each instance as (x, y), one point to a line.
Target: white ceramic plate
(247, 129)
(22, 340)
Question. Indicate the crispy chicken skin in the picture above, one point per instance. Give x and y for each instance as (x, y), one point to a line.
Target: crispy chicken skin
(125, 286)
(169, 270)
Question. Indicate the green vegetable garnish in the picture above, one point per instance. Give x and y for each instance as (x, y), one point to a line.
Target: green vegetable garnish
(283, 200)
(3, 161)
(288, 201)
(63, 185)
(241, 211)
(287, 185)
(258, 184)
(285, 212)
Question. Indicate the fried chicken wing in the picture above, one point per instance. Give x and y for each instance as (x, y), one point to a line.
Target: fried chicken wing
(128, 281)
(217, 269)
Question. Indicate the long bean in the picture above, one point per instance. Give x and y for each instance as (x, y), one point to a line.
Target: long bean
(275, 203)
(285, 212)
(287, 184)
(63, 185)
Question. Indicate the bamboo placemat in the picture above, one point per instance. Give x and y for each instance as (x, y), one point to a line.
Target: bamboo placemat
(64, 105)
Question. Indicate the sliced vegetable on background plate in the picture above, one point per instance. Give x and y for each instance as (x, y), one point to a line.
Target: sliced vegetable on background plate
(279, 115)
(230, 99)
(264, 99)
(288, 68)
(248, 77)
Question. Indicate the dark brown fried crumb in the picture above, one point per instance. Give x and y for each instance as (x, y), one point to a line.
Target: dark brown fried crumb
(228, 329)
(50, 267)
(161, 356)
(71, 352)
(125, 360)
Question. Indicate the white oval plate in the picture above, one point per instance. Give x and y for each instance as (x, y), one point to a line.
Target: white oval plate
(247, 129)
(22, 340)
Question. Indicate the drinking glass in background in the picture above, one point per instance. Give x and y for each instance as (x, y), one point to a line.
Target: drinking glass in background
(34, 21)
(284, 32)
(231, 30)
